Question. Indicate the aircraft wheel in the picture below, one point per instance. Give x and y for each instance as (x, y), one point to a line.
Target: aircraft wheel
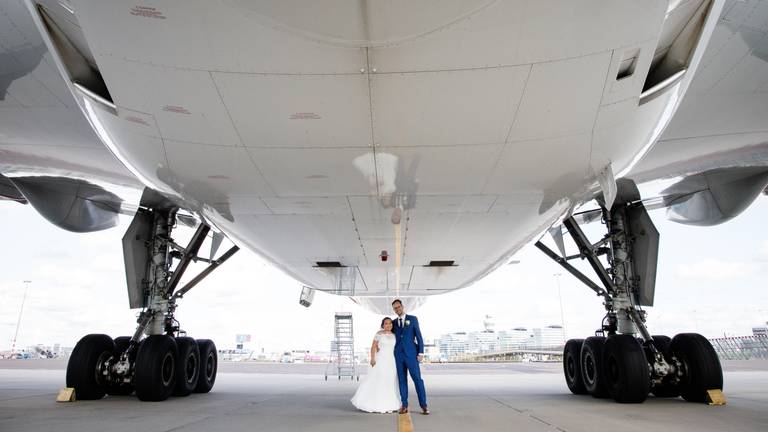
(572, 366)
(592, 366)
(156, 362)
(701, 366)
(121, 344)
(626, 369)
(667, 388)
(189, 366)
(209, 364)
(83, 368)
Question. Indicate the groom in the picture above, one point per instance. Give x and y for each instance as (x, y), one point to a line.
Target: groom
(409, 351)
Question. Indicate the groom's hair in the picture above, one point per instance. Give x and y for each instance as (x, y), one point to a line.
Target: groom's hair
(397, 301)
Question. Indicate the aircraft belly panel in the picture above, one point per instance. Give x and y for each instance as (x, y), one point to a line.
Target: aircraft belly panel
(447, 107)
(297, 111)
(452, 135)
(509, 119)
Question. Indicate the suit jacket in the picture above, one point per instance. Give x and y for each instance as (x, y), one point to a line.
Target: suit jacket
(408, 339)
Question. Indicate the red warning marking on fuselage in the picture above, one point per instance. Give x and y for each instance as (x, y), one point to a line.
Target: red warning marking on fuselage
(147, 12)
(304, 116)
(138, 120)
(176, 109)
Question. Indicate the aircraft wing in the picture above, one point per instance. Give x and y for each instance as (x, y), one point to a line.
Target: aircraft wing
(712, 159)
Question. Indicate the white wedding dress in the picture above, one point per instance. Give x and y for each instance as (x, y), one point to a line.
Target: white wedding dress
(379, 391)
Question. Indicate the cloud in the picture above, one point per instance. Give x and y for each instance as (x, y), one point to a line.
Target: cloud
(717, 269)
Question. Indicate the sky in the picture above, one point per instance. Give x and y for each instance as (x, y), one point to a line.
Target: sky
(710, 280)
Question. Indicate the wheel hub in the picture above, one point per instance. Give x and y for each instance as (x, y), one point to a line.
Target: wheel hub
(209, 366)
(571, 366)
(167, 369)
(191, 367)
(102, 369)
(590, 368)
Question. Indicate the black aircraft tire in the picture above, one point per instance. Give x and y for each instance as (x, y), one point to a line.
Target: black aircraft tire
(82, 371)
(592, 367)
(701, 366)
(663, 344)
(666, 389)
(121, 344)
(156, 363)
(189, 366)
(626, 369)
(572, 366)
(209, 362)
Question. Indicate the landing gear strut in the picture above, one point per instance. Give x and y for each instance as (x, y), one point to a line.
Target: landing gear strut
(158, 360)
(623, 360)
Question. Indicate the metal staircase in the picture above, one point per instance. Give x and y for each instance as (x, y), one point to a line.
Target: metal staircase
(342, 362)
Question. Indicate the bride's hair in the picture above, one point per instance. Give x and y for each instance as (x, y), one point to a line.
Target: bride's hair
(385, 320)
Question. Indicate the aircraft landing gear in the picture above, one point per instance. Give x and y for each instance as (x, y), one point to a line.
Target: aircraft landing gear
(158, 360)
(616, 362)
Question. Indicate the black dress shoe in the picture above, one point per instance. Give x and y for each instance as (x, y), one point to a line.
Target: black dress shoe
(424, 410)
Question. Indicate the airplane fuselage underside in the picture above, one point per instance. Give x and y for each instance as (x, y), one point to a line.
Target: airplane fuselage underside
(327, 138)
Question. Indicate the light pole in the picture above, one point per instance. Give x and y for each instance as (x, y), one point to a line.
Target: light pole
(21, 311)
(560, 297)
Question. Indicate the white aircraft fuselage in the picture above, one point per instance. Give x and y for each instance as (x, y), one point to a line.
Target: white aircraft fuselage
(316, 133)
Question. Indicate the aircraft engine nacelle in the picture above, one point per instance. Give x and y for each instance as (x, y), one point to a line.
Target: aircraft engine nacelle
(715, 196)
(70, 204)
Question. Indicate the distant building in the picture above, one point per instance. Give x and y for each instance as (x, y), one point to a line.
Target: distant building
(482, 342)
(459, 344)
(552, 335)
(516, 338)
(760, 331)
(452, 344)
(549, 336)
(432, 352)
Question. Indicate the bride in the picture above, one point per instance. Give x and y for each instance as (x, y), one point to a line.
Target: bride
(378, 393)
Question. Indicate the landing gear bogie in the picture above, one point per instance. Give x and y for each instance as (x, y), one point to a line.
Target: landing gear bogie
(686, 365)
(158, 367)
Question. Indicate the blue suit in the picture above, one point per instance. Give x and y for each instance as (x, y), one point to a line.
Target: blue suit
(409, 344)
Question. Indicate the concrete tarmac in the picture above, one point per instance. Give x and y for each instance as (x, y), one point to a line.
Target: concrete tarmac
(268, 397)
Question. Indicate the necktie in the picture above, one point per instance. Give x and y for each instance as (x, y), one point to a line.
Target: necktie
(400, 322)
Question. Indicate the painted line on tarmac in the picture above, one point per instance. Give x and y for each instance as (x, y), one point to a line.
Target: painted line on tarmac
(404, 423)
